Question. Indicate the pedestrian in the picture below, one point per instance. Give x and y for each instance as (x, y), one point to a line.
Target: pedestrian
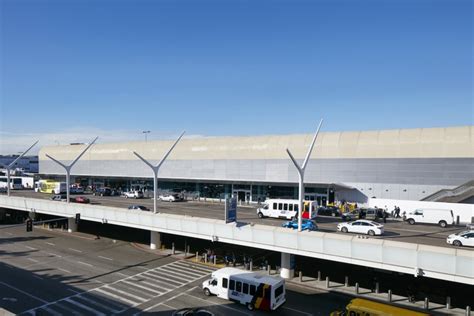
(385, 214)
(397, 212)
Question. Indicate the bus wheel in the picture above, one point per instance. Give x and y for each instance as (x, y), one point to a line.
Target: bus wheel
(250, 307)
(207, 292)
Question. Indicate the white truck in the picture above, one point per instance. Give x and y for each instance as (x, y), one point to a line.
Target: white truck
(440, 217)
(252, 289)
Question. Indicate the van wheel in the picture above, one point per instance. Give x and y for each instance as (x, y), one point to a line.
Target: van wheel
(207, 292)
(411, 221)
(250, 307)
(371, 233)
(457, 243)
(344, 230)
(260, 215)
(443, 224)
(126, 196)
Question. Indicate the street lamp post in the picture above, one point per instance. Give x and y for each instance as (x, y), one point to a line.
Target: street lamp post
(68, 168)
(13, 163)
(146, 134)
(301, 170)
(156, 169)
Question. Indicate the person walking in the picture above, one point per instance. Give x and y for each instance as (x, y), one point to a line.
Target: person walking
(385, 214)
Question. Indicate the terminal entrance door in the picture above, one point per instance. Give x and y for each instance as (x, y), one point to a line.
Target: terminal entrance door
(320, 198)
(242, 195)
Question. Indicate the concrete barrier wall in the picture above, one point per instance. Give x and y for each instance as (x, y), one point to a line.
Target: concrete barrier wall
(464, 211)
(450, 264)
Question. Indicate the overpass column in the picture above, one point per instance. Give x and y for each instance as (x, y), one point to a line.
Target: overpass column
(155, 240)
(71, 225)
(287, 265)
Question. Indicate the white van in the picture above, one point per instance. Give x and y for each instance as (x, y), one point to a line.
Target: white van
(282, 208)
(431, 216)
(249, 288)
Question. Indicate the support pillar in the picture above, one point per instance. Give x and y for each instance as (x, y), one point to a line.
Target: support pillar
(287, 265)
(155, 240)
(71, 225)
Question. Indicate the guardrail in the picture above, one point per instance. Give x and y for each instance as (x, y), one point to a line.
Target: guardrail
(456, 265)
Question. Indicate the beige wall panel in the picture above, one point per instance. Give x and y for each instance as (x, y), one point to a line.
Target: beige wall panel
(348, 144)
(412, 143)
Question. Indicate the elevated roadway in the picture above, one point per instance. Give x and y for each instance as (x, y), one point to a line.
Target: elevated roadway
(445, 263)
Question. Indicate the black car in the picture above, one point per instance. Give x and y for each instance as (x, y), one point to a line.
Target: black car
(103, 192)
(138, 207)
(329, 211)
(59, 197)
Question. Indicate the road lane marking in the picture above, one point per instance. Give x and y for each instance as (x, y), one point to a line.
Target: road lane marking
(86, 264)
(50, 243)
(141, 286)
(8, 233)
(163, 303)
(23, 292)
(219, 304)
(64, 270)
(73, 291)
(87, 308)
(53, 254)
(31, 259)
(35, 276)
(295, 310)
(74, 250)
(106, 258)
(31, 248)
(116, 297)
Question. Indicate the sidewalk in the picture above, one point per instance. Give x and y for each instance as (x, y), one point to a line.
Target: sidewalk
(401, 301)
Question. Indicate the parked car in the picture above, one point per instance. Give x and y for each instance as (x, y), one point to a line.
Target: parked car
(363, 213)
(81, 199)
(133, 194)
(464, 238)
(169, 197)
(306, 224)
(103, 192)
(329, 211)
(361, 226)
(59, 197)
(138, 207)
(76, 190)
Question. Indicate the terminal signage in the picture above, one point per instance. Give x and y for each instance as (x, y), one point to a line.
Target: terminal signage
(230, 210)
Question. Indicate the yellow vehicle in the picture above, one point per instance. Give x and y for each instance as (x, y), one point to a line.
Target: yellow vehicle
(50, 186)
(363, 307)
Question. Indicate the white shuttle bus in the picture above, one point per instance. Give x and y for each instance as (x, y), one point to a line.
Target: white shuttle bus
(281, 208)
(249, 288)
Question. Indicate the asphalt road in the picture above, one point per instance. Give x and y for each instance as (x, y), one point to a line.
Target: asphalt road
(394, 229)
(53, 273)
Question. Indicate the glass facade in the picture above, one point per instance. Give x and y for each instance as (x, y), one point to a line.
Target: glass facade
(254, 193)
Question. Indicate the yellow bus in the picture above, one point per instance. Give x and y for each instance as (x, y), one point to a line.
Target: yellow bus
(363, 307)
(50, 186)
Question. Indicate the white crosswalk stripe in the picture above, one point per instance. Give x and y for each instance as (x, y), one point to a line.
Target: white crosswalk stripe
(128, 292)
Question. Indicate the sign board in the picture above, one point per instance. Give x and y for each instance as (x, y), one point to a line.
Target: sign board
(230, 210)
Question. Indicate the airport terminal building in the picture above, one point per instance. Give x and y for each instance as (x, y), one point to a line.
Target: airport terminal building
(406, 164)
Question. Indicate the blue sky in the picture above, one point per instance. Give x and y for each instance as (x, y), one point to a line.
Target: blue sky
(75, 68)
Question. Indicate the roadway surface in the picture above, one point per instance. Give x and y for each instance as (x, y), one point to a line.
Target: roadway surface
(395, 230)
(53, 273)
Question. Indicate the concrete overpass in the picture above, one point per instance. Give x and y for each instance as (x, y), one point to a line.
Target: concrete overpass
(456, 265)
